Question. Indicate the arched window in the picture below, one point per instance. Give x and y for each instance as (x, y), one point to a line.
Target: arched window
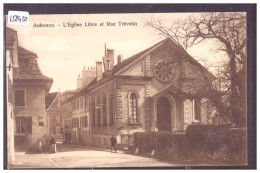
(133, 107)
(104, 110)
(98, 112)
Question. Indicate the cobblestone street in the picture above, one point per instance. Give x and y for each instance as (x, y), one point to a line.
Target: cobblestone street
(69, 156)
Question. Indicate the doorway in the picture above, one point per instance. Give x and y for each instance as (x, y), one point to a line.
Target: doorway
(163, 114)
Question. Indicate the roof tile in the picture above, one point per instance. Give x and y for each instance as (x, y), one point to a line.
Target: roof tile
(28, 66)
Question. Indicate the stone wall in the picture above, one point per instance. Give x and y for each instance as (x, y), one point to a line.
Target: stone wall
(100, 135)
(34, 108)
(124, 89)
(9, 111)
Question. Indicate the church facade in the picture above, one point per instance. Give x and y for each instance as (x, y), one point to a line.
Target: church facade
(149, 91)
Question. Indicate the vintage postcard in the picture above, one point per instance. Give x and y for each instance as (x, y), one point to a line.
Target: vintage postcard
(126, 90)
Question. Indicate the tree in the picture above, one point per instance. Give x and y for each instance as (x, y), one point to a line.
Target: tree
(228, 31)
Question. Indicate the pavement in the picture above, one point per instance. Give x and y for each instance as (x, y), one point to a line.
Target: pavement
(72, 156)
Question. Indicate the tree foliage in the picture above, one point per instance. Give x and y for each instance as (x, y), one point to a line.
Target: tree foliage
(228, 31)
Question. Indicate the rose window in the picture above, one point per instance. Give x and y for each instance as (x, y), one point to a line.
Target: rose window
(163, 70)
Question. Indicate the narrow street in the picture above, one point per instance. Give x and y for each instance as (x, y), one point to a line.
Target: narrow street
(71, 156)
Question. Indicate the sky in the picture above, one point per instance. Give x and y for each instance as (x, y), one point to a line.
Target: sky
(63, 51)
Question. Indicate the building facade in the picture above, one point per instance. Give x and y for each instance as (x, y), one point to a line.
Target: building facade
(11, 62)
(54, 116)
(76, 110)
(66, 112)
(149, 91)
(30, 89)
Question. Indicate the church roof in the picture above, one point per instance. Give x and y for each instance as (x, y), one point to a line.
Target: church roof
(135, 57)
(127, 61)
(118, 67)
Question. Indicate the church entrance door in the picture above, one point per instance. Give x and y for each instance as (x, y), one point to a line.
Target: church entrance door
(163, 114)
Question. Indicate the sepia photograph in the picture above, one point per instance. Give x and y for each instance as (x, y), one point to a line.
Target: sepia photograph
(127, 90)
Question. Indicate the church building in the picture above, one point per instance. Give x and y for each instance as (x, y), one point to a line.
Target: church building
(152, 90)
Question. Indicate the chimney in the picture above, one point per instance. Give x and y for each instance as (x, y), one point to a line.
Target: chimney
(79, 82)
(108, 59)
(119, 59)
(88, 75)
(99, 73)
(110, 55)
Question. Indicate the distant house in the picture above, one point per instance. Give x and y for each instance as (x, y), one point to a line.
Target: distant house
(30, 89)
(53, 115)
(146, 92)
(66, 111)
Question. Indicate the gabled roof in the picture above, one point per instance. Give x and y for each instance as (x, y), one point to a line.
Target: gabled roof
(10, 29)
(28, 67)
(11, 36)
(135, 57)
(49, 99)
(170, 88)
(209, 75)
(127, 61)
(23, 51)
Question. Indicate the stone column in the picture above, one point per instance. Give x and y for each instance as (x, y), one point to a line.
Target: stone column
(119, 110)
(148, 108)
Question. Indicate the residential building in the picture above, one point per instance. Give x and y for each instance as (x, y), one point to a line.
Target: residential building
(11, 60)
(54, 116)
(66, 109)
(30, 89)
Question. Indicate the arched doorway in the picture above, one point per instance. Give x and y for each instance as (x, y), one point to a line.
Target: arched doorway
(163, 114)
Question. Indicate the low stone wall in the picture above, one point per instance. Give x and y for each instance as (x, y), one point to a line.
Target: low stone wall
(158, 141)
(41, 146)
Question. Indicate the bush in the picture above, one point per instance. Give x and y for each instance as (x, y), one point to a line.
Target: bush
(201, 143)
(238, 144)
(216, 143)
(204, 137)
